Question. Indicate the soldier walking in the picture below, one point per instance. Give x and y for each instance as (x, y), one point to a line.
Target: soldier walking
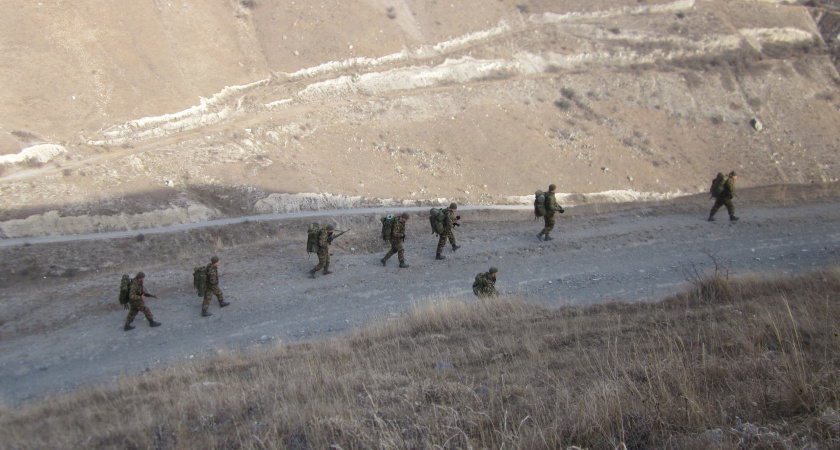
(324, 241)
(449, 221)
(397, 239)
(485, 284)
(212, 288)
(136, 295)
(725, 198)
(550, 207)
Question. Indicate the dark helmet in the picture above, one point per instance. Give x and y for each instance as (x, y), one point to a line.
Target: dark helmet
(329, 227)
(493, 270)
(733, 174)
(140, 276)
(405, 215)
(453, 205)
(214, 259)
(551, 187)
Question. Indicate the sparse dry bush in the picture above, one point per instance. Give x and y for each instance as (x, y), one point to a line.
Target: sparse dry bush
(756, 366)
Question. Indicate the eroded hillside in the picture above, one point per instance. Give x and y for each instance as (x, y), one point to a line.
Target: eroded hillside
(171, 112)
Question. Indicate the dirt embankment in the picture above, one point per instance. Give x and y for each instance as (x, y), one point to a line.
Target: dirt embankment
(413, 105)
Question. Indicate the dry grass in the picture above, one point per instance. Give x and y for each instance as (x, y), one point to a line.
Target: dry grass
(732, 363)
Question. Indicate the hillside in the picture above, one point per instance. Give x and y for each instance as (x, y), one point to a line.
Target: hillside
(173, 112)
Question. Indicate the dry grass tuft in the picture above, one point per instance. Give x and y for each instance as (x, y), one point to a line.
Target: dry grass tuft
(730, 363)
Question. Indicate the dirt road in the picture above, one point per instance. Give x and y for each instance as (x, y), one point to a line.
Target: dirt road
(637, 253)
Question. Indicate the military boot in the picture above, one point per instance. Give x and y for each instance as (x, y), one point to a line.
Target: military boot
(327, 272)
(539, 236)
(548, 238)
(455, 247)
(733, 218)
(128, 327)
(223, 304)
(711, 218)
(311, 274)
(152, 323)
(206, 313)
(439, 256)
(403, 265)
(383, 261)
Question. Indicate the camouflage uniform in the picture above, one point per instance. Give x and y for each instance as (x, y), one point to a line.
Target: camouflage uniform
(448, 223)
(323, 252)
(550, 207)
(397, 236)
(485, 285)
(725, 198)
(212, 288)
(136, 303)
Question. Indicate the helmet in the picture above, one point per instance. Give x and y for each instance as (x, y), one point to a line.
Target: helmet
(551, 187)
(140, 276)
(405, 215)
(493, 270)
(214, 259)
(453, 205)
(733, 174)
(329, 227)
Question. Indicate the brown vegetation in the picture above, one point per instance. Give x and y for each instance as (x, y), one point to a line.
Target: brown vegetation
(730, 363)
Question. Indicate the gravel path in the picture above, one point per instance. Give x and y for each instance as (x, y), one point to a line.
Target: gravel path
(638, 254)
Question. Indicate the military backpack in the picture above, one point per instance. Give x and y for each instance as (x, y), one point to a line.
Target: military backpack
(312, 245)
(125, 285)
(387, 227)
(200, 280)
(480, 285)
(539, 203)
(718, 185)
(436, 216)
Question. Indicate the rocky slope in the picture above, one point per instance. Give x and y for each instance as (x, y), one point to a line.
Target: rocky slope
(161, 112)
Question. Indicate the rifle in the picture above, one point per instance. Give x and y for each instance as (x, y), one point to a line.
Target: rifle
(146, 294)
(335, 236)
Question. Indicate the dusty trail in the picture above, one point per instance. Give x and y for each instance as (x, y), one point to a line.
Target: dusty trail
(633, 255)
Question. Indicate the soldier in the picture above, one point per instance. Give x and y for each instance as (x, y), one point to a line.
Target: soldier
(324, 241)
(397, 238)
(449, 221)
(136, 294)
(485, 284)
(550, 207)
(725, 198)
(212, 288)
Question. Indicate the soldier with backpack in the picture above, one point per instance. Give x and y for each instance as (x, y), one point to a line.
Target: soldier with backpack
(723, 190)
(449, 220)
(212, 288)
(136, 295)
(485, 284)
(396, 235)
(549, 207)
(323, 239)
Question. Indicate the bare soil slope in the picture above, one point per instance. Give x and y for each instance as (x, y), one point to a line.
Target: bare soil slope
(177, 112)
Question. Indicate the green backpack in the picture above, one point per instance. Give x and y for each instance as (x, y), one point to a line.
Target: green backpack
(200, 280)
(125, 284)
(480, 285)
(312, 245)
(436, 216)
(539, 203)
(387, 227)
(718, 185)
